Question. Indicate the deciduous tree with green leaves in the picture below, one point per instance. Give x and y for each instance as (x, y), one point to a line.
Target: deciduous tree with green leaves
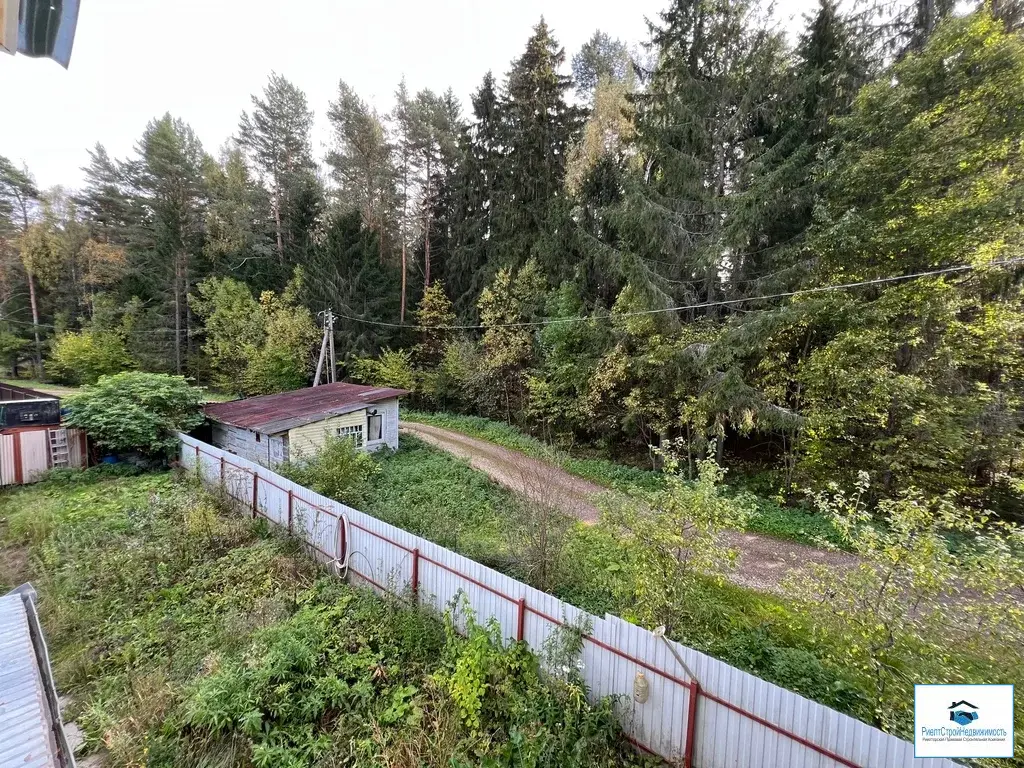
(137, 412)
(915, 607)
(672, 539)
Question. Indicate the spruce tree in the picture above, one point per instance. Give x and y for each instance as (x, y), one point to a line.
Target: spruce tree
(714, 61)
(538, 126)
(474, 191)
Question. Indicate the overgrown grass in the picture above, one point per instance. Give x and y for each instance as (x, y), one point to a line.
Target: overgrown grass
(190, 636)
(434, 495)
(768, 516)
(443, 499)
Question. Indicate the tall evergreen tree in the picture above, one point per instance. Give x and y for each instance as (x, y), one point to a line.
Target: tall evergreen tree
(715, 61)
(474, 192)
(602, 57)
(104, 200)
(361, 164)
(351, 278)
(276, 137)
(239, 236)
(538, 126)
(168, 242)
(436, 131)
(18, 198)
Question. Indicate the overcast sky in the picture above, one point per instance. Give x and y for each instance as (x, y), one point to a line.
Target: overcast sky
(201, 59)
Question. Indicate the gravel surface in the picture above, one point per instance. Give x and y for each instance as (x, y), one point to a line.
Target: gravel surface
(764, 560)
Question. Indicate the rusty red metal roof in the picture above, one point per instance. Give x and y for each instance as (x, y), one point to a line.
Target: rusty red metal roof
(271, 414)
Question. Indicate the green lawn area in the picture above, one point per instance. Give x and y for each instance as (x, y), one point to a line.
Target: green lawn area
(42, 386)
(61, 390)
(767, 516)
(189, 635)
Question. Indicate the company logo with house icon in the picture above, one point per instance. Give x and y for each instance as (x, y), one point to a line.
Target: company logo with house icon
(963, 712)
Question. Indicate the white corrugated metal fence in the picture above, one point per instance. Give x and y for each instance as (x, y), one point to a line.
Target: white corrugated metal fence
(722, 718)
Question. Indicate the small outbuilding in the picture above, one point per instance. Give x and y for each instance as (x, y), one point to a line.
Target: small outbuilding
(32, 439)
(275, 428)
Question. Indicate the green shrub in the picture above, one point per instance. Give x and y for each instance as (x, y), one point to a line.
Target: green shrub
(83, 357)
(137, 412)
(338, 470)
(393, 368)
(191, 637)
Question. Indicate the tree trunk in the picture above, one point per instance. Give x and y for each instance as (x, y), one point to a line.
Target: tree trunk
(177, 314)
(277, 222)
(401, 312)
(185, 289)
(426, 229)
(35, 323)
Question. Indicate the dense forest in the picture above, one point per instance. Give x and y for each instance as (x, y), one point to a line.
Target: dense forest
(801, 252)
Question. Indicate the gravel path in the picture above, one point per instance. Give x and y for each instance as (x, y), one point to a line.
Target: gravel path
(764, 560)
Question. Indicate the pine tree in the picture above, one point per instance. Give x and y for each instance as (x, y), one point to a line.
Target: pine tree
(445, 208)
(362, 166)
(18, 197)
(403, 131)
(602, 57)
(168, 242)
(276, 137)
(104, 200)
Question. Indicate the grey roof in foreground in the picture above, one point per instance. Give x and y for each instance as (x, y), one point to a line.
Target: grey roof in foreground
(31, 734)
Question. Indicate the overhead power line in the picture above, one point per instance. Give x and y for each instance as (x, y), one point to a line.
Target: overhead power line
(688, 307)
(638, 313)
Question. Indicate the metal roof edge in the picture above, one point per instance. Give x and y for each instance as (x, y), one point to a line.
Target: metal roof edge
(64, 756)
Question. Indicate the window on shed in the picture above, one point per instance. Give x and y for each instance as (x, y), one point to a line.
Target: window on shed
(354, 433)
(375, 426)
(258, 437)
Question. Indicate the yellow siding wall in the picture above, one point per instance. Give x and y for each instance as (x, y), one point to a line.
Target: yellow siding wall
(305, 441)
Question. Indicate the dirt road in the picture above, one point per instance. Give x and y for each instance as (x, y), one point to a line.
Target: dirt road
(764, 560)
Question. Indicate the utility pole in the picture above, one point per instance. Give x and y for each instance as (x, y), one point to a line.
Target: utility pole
(328, 316)
(330, 344)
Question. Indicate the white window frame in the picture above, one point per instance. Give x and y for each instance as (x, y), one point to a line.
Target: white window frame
(369, 430)
(355, 431)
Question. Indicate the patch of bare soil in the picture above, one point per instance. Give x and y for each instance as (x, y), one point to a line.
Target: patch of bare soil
(764, 560)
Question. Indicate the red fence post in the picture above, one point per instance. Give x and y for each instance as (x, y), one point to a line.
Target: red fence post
(416, 576)
(691, 725)
(521, 620)
(19, 473)
(255, 491)
(291, 504)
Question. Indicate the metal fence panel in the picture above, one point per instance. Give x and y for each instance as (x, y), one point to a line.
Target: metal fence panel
(739, 720)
